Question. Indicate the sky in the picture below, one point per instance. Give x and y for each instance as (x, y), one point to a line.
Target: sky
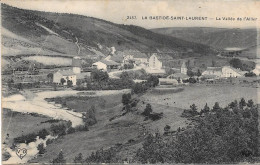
(213, 11)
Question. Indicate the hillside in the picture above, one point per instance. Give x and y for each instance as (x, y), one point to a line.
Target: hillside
(218, 38)
(34, 32)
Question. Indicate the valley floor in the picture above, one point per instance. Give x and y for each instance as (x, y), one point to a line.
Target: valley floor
(131, 128)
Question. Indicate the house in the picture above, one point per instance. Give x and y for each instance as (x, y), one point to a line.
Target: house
(140, 58)
(257, 69)
(105, 65)
(184, 68)
(228, 71)
(212, 72)
(136, 56)
(119, 58)
(157, 63)
(66, 75)
(74, 75)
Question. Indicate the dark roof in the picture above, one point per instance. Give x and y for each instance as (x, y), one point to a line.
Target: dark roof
(109, 62)
(162, 57)
(117, 58)
(83, 75)
(214, 69)
(76, 61)
(135, 53)
(66, 72)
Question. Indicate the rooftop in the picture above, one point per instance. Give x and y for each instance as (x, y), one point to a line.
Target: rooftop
(66, 72)
(109, 62)
(163, 57)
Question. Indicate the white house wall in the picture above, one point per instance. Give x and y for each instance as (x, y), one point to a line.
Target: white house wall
(100, 66)
(228, 72)
(154, 63)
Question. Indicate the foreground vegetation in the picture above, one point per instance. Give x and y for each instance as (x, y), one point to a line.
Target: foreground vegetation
(218, 135)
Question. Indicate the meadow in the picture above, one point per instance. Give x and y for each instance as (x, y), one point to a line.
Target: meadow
(200, 94)
(18, 124)
(47, 60)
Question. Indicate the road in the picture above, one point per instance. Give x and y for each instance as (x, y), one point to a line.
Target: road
(37, 104)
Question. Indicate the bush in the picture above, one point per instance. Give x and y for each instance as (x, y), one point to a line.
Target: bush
(59, 129)
(60, 159)
(225, 136)
(104, 156)
(40, 148)
(126, 98)
(26, 138)
(78, 158)
(148, 110)
(82, 128)
(5, 156)
(250, 74)
(71, 130)
(43, 133)
(49, 141)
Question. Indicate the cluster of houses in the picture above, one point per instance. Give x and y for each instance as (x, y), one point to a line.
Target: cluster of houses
(72, 75)
(154, 64)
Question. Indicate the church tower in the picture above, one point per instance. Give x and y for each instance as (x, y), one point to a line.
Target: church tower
(184, 68)
(76, 64)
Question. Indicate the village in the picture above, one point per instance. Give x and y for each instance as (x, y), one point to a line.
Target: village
(171, 72)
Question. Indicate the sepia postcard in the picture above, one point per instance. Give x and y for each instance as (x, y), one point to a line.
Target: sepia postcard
(130, 82)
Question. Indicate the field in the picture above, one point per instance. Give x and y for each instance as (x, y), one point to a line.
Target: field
(130, 130)
(202, 94)
(107, 133)
(17, 124)
(46, 60)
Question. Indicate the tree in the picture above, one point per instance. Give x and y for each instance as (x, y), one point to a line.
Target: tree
(62, 81)
(250, 74)
(167, 128)
(99, 76)
(124, 75)
(10, 82)
(50, 77)
(213, 62)
(216, 107)
(40, 148)
(90, 117)
(205, 109)
(78, 82)
(198, 73)
(236, 63)
(126, 98)
(43, 133)
(148, 110)
(79, 158)
(250, 103)
(69, 83)
(60, 158)
(190, 73)
(193, 108)
(242, 103)
(153, 81)
(54, 86)
(233, 104)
